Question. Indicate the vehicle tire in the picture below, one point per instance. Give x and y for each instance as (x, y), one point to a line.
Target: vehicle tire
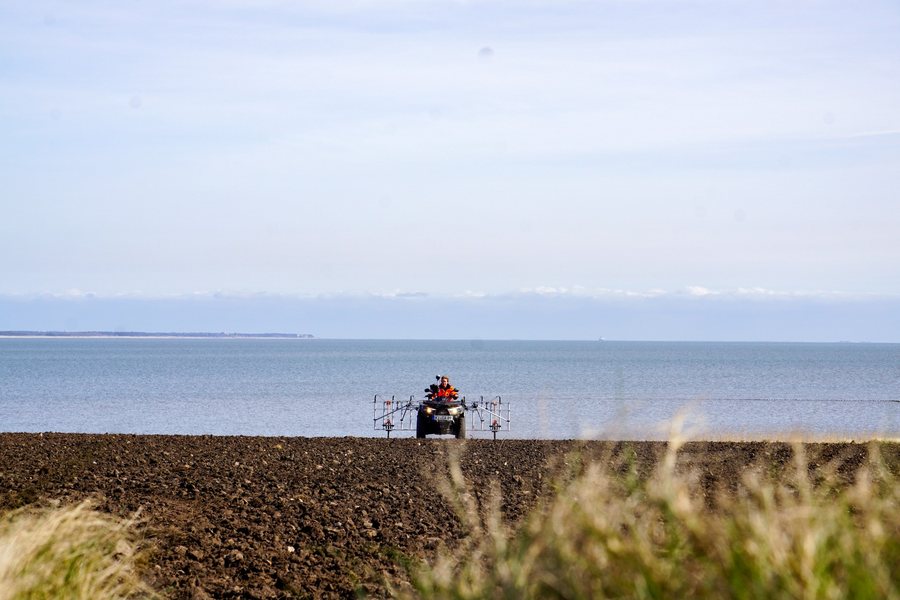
(461, 428)
(420, 427)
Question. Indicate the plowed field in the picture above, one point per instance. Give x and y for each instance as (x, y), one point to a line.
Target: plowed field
(320, 517)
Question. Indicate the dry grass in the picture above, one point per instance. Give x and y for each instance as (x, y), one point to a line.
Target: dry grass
(73, 552)
(610, 534)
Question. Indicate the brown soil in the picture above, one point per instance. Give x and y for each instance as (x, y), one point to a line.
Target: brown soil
(324, 517)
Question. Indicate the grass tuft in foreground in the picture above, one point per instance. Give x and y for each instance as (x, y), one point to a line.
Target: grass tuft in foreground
(73, 552)
(610, 534)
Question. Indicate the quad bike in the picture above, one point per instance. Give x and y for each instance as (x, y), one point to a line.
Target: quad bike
(441, 417)
(438, 417)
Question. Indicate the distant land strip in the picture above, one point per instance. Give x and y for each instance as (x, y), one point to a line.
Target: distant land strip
(147, 334)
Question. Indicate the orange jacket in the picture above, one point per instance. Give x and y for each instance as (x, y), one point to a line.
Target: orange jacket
(447, 393)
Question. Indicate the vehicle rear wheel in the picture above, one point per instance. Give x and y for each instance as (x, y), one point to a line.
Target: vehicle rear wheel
(461, 428)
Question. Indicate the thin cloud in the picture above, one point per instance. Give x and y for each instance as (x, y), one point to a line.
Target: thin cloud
(874, 134)
(690, 292)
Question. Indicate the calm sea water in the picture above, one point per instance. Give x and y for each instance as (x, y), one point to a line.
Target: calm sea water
(555, 389)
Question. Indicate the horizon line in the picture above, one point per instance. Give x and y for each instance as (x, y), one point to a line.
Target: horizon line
(63, 334)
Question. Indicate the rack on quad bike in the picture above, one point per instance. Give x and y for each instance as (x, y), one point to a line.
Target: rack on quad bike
(439, 417)
(394, 414)
(493, 414)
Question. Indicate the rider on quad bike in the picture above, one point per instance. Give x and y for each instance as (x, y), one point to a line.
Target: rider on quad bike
(444, 391)
(441, 412)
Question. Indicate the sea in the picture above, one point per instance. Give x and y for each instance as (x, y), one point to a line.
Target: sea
(540, 389)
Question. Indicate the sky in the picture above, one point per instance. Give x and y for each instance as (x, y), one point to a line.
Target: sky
(600, 154)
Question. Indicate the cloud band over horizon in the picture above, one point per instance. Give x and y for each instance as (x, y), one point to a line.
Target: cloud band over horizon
(671, 317)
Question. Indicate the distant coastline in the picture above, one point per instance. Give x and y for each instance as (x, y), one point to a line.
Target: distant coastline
(145, 334)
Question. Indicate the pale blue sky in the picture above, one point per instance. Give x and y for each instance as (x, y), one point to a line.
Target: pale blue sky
(595, 148)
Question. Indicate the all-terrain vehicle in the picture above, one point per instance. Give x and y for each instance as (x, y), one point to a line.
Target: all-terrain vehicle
(437, 416)
(441, 416)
